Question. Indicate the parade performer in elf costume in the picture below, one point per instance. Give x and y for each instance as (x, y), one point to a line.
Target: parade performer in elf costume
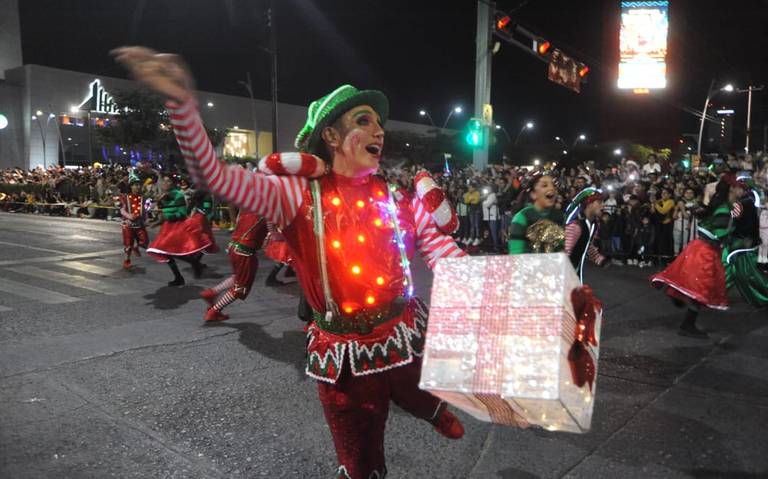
(247, 239)
(538, 227)
(134, 218)
(581, 218)
(179, 237)
(740, 253)
(277, 250)
(697, 276)
(351, 239)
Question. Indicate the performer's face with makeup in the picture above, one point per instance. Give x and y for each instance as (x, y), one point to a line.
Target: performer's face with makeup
(355, 141)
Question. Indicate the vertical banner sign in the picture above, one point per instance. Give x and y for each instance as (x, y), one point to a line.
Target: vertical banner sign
(564, 71)
(643, 45)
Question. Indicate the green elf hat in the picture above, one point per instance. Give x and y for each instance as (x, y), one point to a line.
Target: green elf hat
(585, 197)
(133, 178)
(325, 111)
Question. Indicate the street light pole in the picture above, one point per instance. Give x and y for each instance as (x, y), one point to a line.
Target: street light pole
(704, 117)
(457, 109)
(248, 86)
(42, 137)
(527, 126)
(273, 53)
(426, 113)
(749, 91)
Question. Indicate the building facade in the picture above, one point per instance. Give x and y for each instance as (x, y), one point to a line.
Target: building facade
(53, 114)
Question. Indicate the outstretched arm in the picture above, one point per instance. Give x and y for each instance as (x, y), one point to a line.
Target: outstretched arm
(276, 198)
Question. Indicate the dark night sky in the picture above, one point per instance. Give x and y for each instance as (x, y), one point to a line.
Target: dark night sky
(421, 53)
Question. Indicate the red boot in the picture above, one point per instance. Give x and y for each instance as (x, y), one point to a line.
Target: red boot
(213, 315)
(449, 425)
(209, 295)
(127, 264)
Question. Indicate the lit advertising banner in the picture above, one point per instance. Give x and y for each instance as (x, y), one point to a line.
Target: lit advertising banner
(643, 45)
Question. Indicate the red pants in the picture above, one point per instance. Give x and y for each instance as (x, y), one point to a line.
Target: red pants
(139, 235)
(356, 410)
(244, 268)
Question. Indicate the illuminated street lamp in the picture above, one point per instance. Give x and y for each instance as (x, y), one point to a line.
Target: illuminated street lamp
(499, 127)
(424, 113)
(710, 94)
(536, 162)
(456, 110)
(527, 126)
(617, 152)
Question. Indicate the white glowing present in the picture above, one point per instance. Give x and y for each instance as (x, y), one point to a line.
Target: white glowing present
(499, 334)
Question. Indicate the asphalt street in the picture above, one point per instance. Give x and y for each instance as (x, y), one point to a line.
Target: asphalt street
(111, 373)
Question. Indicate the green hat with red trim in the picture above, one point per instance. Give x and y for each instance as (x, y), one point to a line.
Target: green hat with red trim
(325, 111)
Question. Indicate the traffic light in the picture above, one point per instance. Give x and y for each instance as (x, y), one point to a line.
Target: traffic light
(542, 47)
(475, 137)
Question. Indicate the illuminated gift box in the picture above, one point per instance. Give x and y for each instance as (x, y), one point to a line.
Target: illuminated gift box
(504, 345)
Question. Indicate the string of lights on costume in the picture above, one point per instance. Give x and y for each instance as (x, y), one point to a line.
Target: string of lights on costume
(351, 240)
(580, 231)
(247, 239)
(132, 209)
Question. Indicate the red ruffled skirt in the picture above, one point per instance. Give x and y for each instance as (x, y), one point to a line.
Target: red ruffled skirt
(277, 249)
(182, 238)
(696, 274)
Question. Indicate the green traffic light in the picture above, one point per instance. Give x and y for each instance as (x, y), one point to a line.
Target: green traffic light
(475, 137)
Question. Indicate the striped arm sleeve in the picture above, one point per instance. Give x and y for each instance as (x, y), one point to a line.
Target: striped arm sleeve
(736, 210)
(432, 243)
(594, 255)
(572, 234)
(276, 198)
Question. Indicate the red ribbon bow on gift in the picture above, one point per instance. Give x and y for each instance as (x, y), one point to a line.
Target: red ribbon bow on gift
(585, 306)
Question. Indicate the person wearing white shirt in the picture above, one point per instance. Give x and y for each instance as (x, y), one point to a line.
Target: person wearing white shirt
(652, 166)
(491, 214)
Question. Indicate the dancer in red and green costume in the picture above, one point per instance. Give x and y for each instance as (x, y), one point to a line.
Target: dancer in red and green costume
(247, 239)
(696, 277)
(538, 220)
(134, 218)
(180, 236)
(351, 239)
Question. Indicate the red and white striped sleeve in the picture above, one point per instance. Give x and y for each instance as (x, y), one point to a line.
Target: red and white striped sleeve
(736, 210)
(594, 255)
(572, 234)
(431, 242)
(276, 198)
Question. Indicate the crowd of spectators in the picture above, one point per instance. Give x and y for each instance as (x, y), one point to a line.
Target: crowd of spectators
(648, 216)
(649, 208)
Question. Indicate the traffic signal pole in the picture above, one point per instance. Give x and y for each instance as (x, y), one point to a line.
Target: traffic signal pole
(483, 56)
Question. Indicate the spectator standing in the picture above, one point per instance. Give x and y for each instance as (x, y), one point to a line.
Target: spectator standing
(491, 215)
(472, 199)
(651, 166)
(664, 209)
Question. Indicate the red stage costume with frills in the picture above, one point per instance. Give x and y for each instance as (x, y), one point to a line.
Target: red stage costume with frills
(698, 274)
(370, 352)
(181, 235)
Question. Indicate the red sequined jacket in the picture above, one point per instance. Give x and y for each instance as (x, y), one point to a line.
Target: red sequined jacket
(379, 327)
